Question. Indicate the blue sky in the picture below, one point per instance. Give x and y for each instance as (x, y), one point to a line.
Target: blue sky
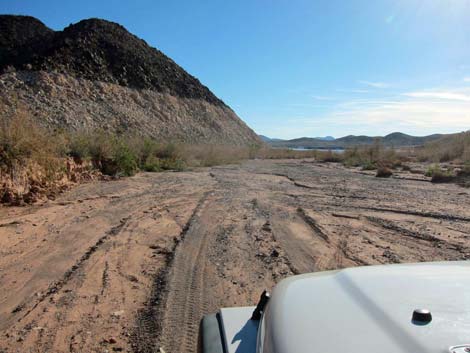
(307, 68)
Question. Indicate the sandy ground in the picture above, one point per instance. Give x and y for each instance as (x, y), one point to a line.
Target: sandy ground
(132, 265)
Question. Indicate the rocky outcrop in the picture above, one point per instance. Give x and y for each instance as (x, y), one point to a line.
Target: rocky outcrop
(96, 75)
(59, 101)
(16, 35)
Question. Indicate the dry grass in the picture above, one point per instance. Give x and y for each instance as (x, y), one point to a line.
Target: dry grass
(284, 153)
(451, 148)
(373, 157)
(21, 140)
(30, 163)
(384, 172)
(212, 155)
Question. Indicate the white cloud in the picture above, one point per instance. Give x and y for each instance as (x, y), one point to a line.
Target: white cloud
(375, 84)
(420, 112)
(415, 113)
(466, 79)
(442, 95)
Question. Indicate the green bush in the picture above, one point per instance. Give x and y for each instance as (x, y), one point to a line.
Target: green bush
(125, 159)
(372, 157)
(168, 151)
(173, 164)
(109, 153)
(152, 164)
(369, 166)
(100, 148)
(79, 147)
(439, 175)
(144, 149)
(435, 168)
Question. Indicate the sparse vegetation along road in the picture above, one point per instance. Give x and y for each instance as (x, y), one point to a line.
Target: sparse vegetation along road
(131, 265)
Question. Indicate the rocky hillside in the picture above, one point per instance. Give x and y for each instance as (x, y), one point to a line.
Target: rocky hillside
(95, 74)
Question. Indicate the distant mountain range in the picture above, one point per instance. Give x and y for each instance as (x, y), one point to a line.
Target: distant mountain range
(268, 139)
(396, 139)
(326, 138)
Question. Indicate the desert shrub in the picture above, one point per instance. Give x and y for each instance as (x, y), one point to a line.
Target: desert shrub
(369, 166)
(111, 154)
(22, 140)
(124, 159)
(465, 170)
(211, 155)
(463, 175)
(406, 167)
(274, 153)
(352, 158)
(148, 149)
(384, 172)
(214, 156)
(435, 168)
(439, 175)
(329, 156)
(169, 150)
(253, 150)
(153, 156)
(100, 148)
(285, 153)
(152, 164)
(466, 155)
(79, 146)
(442, 178)
(176, 164)
(372, 157)
(450, 148)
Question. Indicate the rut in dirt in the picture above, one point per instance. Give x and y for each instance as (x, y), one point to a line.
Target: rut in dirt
(171, 317)
(57, 286)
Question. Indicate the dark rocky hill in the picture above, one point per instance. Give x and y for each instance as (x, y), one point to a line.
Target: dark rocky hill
(16, 32)
(96, 50)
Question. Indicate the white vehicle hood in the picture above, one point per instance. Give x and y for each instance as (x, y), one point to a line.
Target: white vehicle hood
(369, 309)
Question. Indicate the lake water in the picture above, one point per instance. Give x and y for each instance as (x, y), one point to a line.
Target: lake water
(339, 150)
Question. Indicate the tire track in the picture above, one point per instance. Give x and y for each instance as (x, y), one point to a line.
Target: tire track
(185, 304)
(68, 275)
(401, 230)
(434, 215)
(433, 240)
(176, 293)
(312, 224)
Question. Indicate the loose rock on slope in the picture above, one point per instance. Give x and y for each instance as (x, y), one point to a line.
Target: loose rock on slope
(95, 74)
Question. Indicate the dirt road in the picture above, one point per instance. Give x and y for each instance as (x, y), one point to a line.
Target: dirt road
(132, 265)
